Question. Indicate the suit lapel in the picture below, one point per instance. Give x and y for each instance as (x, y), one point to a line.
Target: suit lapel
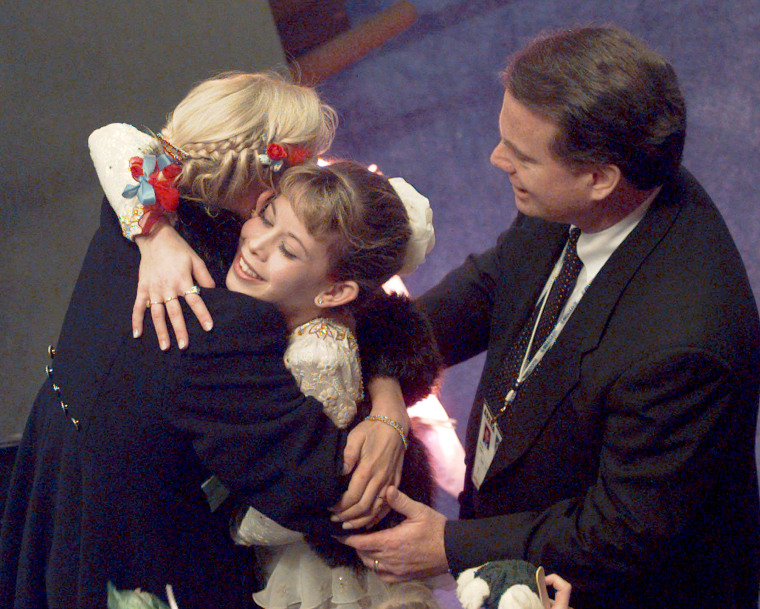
(559, 371)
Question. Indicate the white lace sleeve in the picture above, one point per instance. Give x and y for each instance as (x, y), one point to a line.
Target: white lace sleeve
(252, 528)
(323, 357)
(111, 147)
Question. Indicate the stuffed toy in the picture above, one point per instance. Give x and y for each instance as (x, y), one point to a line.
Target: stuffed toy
(138, 599)
(503, 584)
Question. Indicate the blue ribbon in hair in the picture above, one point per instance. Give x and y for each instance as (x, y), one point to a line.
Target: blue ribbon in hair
(145, 192)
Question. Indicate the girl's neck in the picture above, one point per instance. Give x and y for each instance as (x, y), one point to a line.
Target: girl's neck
(340, 315)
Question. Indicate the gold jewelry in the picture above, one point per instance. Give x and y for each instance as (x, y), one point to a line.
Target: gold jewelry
(319, 301)
(376, 567)
(177, 154)
(395, 424)
(170, 299)
(193, 290)
(152, 303)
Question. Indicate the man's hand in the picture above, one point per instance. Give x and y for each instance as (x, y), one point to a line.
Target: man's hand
(414, 549)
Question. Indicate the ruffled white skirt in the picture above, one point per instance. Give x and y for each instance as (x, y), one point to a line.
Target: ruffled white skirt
(300, 578)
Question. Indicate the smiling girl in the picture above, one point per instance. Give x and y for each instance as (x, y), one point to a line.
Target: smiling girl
(319, 249)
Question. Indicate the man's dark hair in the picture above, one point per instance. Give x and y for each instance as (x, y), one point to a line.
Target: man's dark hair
(613, 100)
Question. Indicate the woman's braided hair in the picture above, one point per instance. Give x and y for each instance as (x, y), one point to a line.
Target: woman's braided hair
(224, 123)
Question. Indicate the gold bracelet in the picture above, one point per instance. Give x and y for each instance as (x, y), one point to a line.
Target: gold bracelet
(395, 424)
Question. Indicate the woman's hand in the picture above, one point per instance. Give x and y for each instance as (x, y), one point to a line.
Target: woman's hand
(169, 268)
(375, 454)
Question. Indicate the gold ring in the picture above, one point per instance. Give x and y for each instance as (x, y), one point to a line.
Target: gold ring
(194, 290)
(377, 565)
(154, 302)
(147, 304)
(170, 299)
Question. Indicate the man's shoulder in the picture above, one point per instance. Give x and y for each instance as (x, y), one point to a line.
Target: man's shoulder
(684, 188)
(697, 221)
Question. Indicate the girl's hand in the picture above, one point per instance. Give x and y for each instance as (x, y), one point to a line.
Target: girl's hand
(169, 268)
(375, 454)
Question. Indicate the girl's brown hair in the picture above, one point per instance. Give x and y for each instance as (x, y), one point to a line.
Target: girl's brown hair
(360, 215)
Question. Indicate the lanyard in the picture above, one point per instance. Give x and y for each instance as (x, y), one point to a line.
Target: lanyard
(527, 367)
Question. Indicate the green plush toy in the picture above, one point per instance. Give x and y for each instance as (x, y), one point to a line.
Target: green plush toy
(503, 584)
(137, 599)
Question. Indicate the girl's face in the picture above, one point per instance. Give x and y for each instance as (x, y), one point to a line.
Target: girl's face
(279, 262)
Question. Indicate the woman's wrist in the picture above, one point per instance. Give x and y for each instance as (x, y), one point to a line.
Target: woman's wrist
(388, 401)
(158, 231)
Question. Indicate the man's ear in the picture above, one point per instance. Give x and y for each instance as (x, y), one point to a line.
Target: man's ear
(337, 294)
(604, 179)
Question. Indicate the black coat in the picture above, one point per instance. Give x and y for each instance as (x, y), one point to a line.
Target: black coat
(108, 478)
(627, 463)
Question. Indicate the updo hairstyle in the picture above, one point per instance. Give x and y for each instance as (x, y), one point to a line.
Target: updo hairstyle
(224, 123)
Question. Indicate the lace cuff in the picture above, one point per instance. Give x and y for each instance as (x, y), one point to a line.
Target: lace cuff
(111, 147)
(323, 358)
(252, 528)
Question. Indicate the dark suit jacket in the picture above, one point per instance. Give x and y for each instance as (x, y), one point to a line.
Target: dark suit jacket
(627, 462)
(118, 495)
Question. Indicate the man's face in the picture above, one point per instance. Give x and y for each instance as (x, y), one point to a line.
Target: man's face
(544, 187)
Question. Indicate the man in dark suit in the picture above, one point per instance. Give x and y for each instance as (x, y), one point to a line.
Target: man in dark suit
(621, 437)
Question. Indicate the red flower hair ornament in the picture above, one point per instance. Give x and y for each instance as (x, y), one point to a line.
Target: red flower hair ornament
(277, 155)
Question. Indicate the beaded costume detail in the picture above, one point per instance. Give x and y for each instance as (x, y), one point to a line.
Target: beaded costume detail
(323, 356)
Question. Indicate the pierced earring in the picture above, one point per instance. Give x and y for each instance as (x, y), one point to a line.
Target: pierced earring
(319, 301)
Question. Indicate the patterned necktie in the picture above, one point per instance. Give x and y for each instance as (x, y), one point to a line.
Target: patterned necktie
(560, 291)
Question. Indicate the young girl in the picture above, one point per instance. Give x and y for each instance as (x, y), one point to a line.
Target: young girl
(319, 248)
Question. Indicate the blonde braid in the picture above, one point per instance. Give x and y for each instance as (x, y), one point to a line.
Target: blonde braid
(220, 172)
(225, 122)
